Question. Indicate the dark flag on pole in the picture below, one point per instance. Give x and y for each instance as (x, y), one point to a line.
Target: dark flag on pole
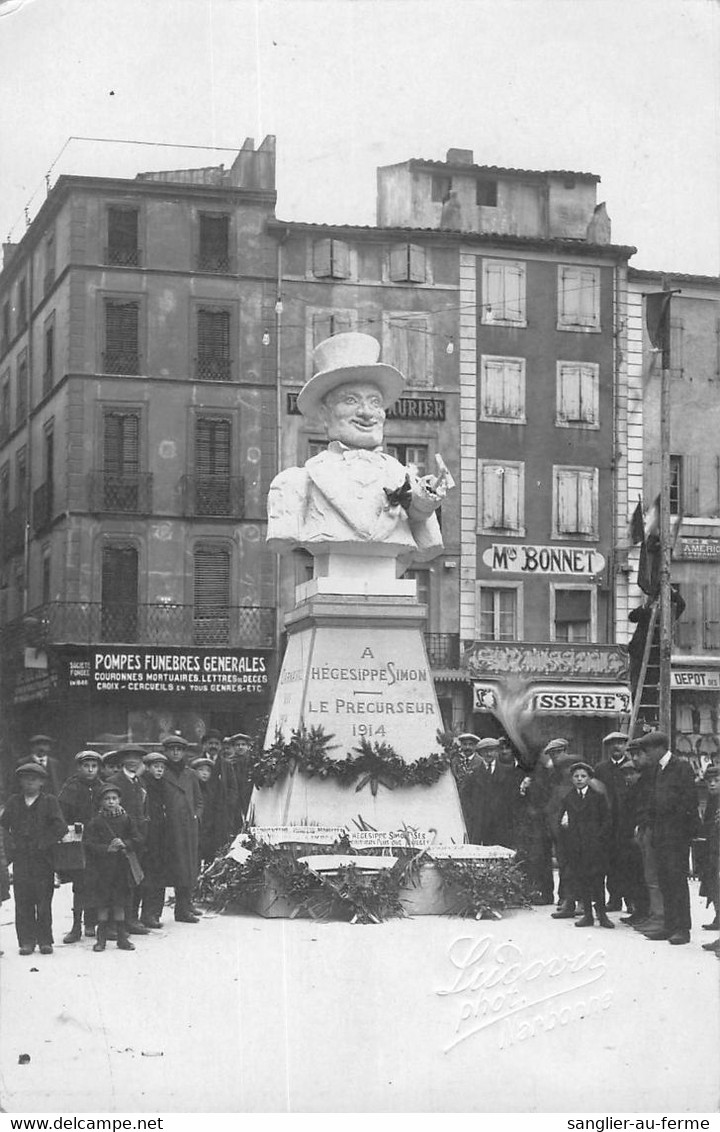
(657, 320)
(636, 531)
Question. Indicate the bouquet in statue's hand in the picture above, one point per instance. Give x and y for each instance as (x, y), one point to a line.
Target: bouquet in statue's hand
(401, 496)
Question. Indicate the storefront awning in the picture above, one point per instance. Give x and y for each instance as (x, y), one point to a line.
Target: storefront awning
(561, 699)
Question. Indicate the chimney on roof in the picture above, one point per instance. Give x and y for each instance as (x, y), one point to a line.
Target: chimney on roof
(8, 253)
(459, 157)
(254, 168)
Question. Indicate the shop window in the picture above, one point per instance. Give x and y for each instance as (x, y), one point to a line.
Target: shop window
(412, 456)
(211, 594)
(501, 503)
(502, 390)
(406, 346)
(122, 237)
(578, 393)
(497, 613)
(122, 337)
(578, 298)
(213, 344)
(119, 593)
(213, 456)
(575, 502)
(408, 264)
(331, 259)
(503, 292)
(572, 620)
(440, 187)
(214, 242)
(121, 460)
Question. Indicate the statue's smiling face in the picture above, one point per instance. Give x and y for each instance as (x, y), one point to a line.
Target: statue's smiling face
(354, 414)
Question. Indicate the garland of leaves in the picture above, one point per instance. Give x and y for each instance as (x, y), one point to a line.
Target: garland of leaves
(473, 888)
(374, 764)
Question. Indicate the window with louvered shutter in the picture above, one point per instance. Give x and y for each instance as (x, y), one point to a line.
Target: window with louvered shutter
(121, 461)
(578, 298)
(501, 497)
(213, 329)
(677, 348)
(211, 595)
(408, 263)
(119, 593)
(331, 259)
(212, 466)
(122, 234)
(49, 277)
(22, 305)
(503, 292)
(578, 387)
(21, 399)
(21, 479)
(575, 501)
(711, 617)
(502, 389)
(5, 409)
(5, 491)
(326, 324)
(49, 371)
(214, 242)
(122, 337)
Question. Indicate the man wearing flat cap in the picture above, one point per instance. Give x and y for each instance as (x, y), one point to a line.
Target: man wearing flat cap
(354, 495)
(609, 772)
(674, 822)
(183, 809)
(133, 799)
(79, 802)
(40, 752)
(489, 795)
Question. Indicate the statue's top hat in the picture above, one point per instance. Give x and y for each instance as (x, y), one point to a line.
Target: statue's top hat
(344, 358)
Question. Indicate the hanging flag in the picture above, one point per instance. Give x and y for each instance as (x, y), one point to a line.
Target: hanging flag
(657, 320)
(636, 532)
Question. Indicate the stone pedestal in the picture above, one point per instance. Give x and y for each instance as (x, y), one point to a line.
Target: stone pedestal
(356, 665)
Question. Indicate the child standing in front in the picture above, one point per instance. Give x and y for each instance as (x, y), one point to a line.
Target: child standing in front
(35, 823)
(111, 839)
(585, 814)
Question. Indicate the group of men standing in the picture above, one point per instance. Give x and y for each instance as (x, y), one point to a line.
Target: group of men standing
(122, 828)
(619, 831)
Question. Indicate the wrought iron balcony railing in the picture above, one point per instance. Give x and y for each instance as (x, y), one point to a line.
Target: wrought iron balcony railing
(12, 533)
(121, 362)
(213, 261)
(213, 496)
(443, 649)
(42, 511)
(117, 622)
(126, 493)
(213, 367)
(122, 257)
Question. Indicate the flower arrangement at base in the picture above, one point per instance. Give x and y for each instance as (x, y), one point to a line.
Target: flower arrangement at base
(371, 764)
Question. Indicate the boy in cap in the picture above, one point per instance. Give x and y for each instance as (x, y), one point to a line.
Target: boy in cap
(152, 890)
(35, 824)
(634, 888)
(111, 839)
(40, 748)
(133, 798)
(79, 801)
(585, 814)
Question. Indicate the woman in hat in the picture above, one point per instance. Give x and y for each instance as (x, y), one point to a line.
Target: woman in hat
(111, 840)
(34, 823)
(585, 815)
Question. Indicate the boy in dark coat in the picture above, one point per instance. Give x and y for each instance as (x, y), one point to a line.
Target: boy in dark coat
(207, 844)
(133, 799)
(155, 866)
(184, 810)
(79, 802)
(108, 839)
(35, 824)
(585, 814)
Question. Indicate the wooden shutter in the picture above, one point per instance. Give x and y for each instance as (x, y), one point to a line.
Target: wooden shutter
(398, 344)
(326, 324)
(685, 629)
(399, 265)
(589, 298)
(213, 344)
(711, 616)
(417, 351)
(514, 300)
(340, 253)
(21, 401)
(211, 579)
(122, 443)
(677, 348)
(322, 260)
(119, 593)
(417, 264)
(691, 485)
(5, 490)
(567, 501)
(511, 498)
(494, 290)
(585, 503)
(122, 323)
(212, 446)
(493, 493)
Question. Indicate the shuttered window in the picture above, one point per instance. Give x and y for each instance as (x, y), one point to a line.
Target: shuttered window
(325, 324)
(408, 264)
(503, 292)
(406, 347)
(122, 235)
(214, 242)
(573, 615)
(578, 394)
(121, 461)
(22, 305)
(119, 594)
(213, 339)
(578, 298)
(49, 371)
(413, 456)
(575, 501)
(501, 504)
(498, 614)
(5, 337)
(5, 409)
(711, 617)
(213, 458)
(21, 399)
(211, 594)
(331, 259)
(502, 389)
(49, 277)
(122, 337)
(5, 491)
(677, 348)
(21, 479)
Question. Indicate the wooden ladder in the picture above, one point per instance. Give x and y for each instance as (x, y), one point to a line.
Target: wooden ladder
(647, 693)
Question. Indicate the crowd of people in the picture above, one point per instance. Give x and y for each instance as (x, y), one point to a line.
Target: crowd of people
(620, 832)
(121, 829)
(129, 824)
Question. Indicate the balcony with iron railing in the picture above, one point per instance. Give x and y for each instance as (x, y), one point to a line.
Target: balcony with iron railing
(125, 362)
(12, 533)
(217, 262)
(120, 256)
(443, 649)
(43, 507)
(213, 367)
(221, 497)
(116, 622)
(121, 493)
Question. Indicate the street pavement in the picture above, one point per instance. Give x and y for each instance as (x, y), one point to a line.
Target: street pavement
(432, 1014)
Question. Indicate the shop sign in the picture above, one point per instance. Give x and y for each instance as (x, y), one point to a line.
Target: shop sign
(536, 662)
(694, 678)
(571, 561)
(33, 684)
(406, 409)
(698, 549)
(581, 701)
(189, 671)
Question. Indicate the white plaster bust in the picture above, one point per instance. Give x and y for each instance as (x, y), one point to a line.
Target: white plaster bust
(354, 498)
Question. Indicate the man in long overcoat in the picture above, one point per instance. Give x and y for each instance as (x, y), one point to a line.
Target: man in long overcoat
(674, 822)
(133, 798)
(610, 772)
(183, 810)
